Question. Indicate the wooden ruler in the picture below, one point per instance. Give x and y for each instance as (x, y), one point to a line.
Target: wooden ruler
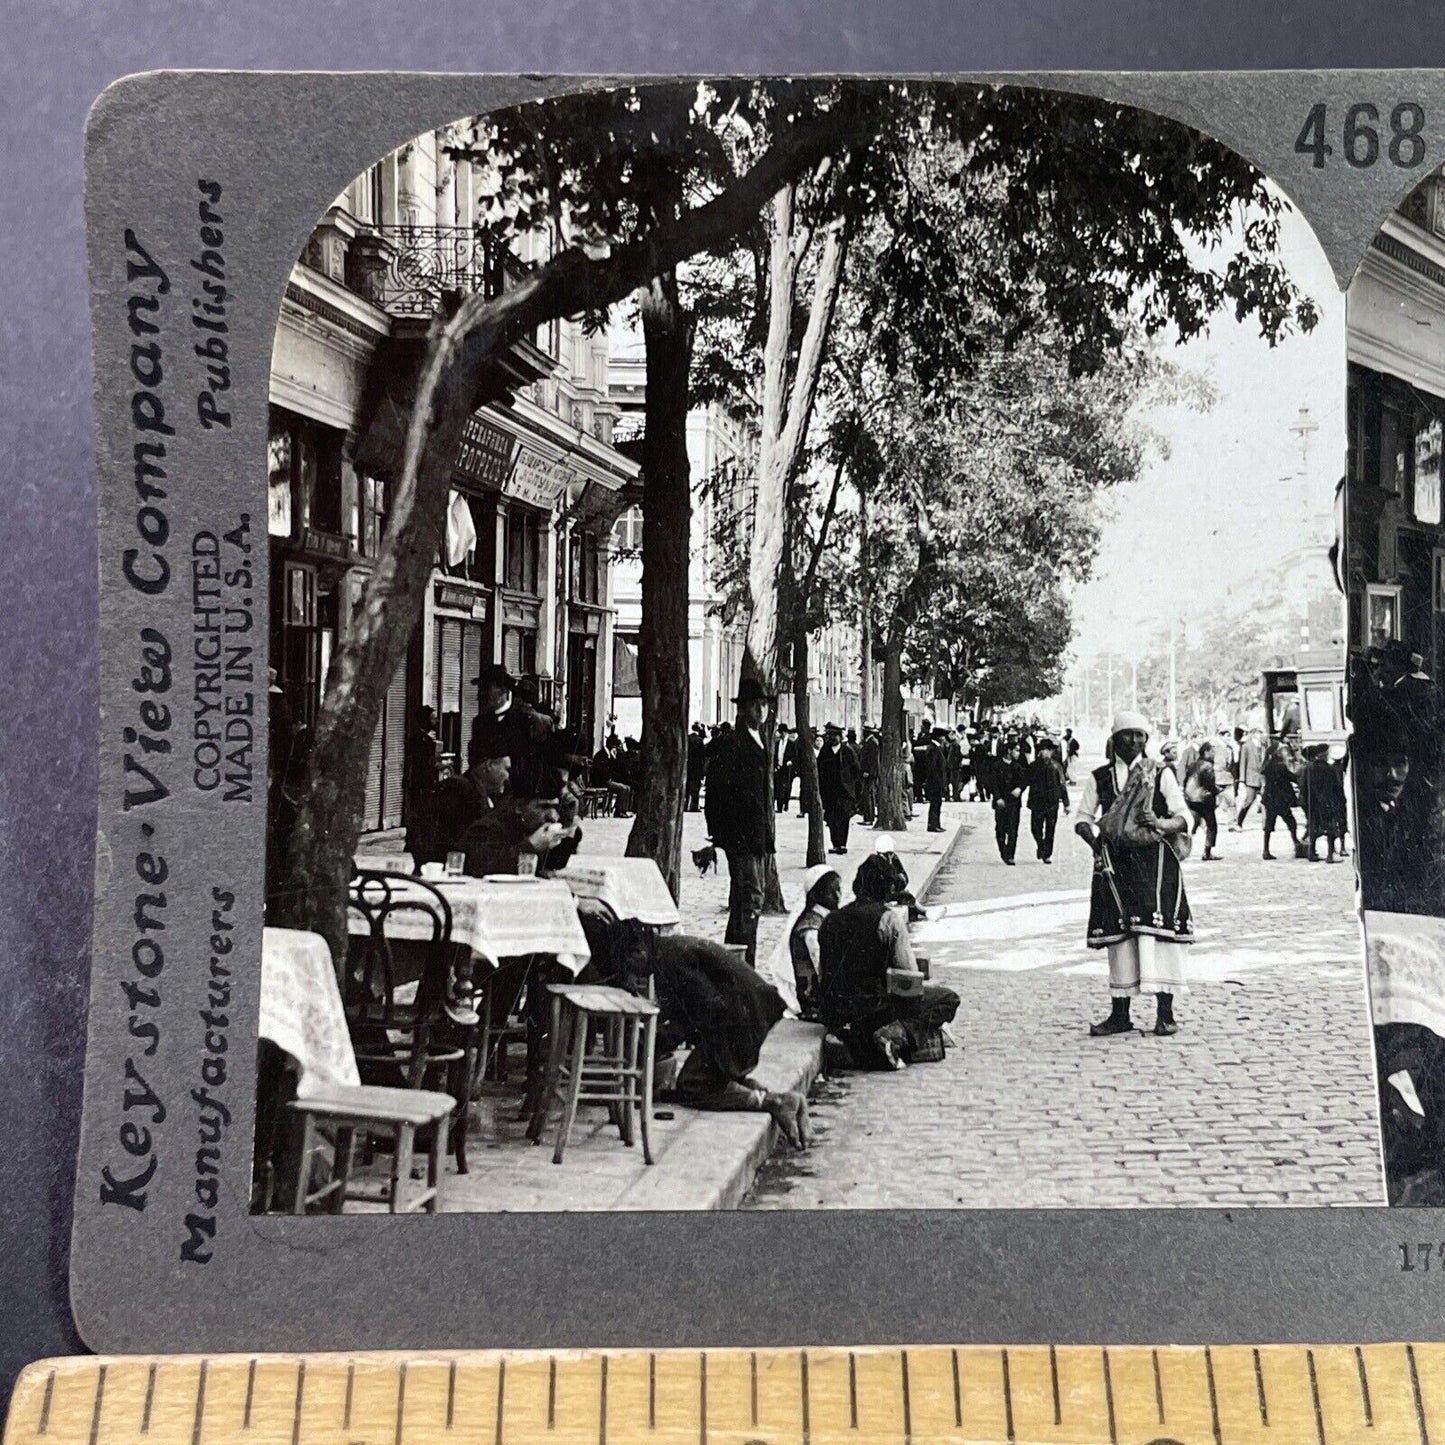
(1019, 1395)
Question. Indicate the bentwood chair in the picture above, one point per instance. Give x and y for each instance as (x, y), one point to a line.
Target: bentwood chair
(396, 990)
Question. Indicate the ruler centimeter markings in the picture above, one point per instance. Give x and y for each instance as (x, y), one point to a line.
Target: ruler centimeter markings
(953, 1395)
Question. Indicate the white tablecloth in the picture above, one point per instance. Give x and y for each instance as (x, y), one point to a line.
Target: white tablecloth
(1406, 955)
(630, 887)
(301, 1009)
(497, 918)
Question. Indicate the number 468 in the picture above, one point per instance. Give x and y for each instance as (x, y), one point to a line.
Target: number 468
(1405, 146)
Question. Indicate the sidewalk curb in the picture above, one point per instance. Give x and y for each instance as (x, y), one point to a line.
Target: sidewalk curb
(713, 1161)
(719, 1155)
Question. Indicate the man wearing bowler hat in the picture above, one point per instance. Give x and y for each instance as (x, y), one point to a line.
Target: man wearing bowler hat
(739, 819)
(506, 727)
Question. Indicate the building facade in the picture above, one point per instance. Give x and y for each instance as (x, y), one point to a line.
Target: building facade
(524, 576)
(1395, 548)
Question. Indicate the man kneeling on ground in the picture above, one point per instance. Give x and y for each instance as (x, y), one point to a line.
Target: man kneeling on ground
(872, 995)
(713, 1002)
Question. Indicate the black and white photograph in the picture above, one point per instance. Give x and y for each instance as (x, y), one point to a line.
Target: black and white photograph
(815, 631)
(1395, 562)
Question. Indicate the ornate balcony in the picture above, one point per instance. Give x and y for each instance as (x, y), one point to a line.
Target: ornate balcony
(408, 270)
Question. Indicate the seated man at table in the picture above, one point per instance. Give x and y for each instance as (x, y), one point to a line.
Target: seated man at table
(454, 805)
(710, 1000)
(524, 835)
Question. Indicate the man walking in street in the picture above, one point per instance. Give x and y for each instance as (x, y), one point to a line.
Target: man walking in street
(785, 751)
(1048, 792)
(1201, 793)
(1008, 786)
(982, 763)
(839, 775)
(739, 820)
(1251, 777)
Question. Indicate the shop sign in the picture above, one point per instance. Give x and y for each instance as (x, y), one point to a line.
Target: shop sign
(536, 480)
(326, 544)
(461, 599)
(485, 452)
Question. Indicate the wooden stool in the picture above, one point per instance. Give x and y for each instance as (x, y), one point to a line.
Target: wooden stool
(401, 1112)
(620, 1076)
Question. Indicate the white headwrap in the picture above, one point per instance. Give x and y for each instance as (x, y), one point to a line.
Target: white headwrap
(1129, 722)
(777, 968)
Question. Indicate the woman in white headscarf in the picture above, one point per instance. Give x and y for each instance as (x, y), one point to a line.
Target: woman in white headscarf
(1137, 906)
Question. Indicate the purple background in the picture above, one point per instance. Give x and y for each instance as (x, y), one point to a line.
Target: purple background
(56, 58)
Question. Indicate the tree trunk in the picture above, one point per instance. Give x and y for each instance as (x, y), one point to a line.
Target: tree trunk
(808, 793)
(450, 386)
(789, 391)
(893, 805)
(666, 543)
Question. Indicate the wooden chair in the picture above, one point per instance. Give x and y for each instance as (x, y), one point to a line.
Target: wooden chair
(596, 803)
(349, 1110)
(620, 1075)
(407, 1038)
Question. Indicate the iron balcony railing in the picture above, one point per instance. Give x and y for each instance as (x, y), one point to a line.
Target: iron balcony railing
(411, 269)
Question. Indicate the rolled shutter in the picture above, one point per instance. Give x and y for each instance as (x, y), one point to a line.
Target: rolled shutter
(393, 753)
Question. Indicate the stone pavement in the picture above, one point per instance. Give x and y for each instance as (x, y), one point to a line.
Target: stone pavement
(1266, 1095)
(704, 1160)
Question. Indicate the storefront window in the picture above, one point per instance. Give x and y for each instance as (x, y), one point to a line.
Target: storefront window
(523, 551)
(519, 651)
(627, 534)
(479, 565)
(1428, 438)
(586, 579)
(1383, 621)
(373, 514)
(278, 492)
(304, 477)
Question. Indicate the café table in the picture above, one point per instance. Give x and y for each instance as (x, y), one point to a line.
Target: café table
(524, 929)
(496, 917)
(630, 887)
(301, 1012)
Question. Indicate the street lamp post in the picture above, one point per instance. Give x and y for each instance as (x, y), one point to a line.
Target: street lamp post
(1173, 686)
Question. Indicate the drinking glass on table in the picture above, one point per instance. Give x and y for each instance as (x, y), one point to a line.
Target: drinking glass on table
(456, 863)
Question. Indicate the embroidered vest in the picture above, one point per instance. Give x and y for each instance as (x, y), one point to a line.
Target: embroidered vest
(1109, 790)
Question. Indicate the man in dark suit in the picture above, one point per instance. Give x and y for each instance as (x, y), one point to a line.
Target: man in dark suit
(786, 750)
(507, 727)
(740, 819)
(868, 764)
(933, 773)
(839, 777)
(696, 765)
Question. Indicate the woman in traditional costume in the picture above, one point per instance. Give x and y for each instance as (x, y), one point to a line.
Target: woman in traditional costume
(1137, 906)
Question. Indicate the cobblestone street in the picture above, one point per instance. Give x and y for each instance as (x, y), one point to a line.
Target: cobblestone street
(1265, 1097)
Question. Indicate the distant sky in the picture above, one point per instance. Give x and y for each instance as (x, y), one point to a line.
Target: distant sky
(1217, 511)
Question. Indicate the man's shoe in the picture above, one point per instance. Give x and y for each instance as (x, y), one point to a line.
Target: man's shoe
(1110, 1026)
(1165, 1028)
(1046, 860)
(1267, 856)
